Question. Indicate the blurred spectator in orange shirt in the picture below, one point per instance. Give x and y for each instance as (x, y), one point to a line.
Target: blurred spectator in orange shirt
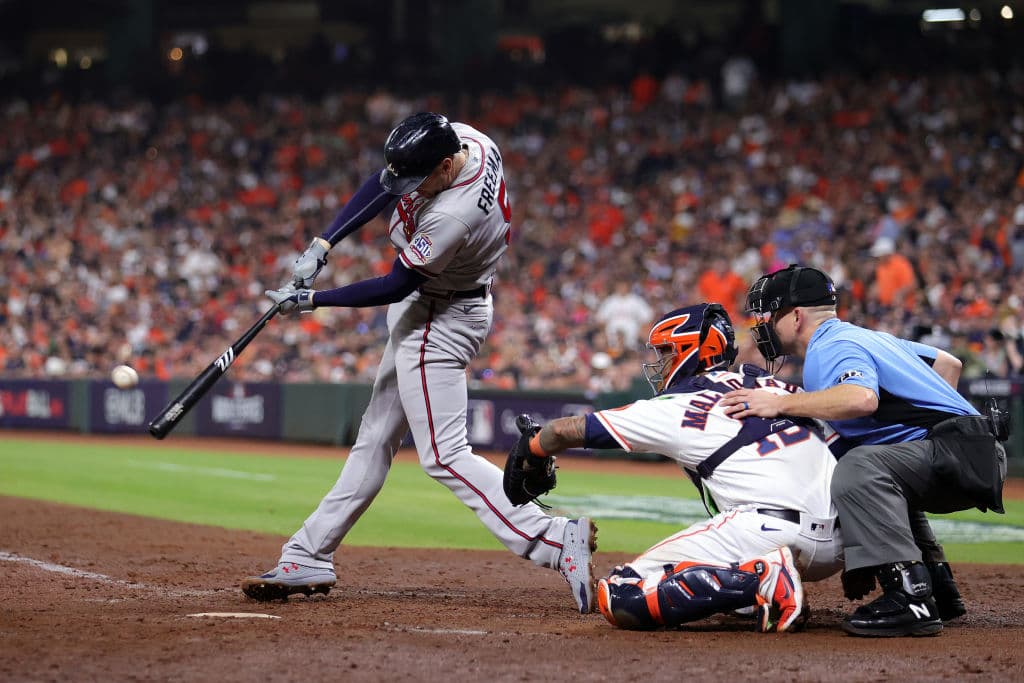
(721, 284)
(895, 280)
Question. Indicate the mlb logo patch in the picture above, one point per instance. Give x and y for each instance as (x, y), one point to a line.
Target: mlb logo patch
(422, 247)
(849, 374)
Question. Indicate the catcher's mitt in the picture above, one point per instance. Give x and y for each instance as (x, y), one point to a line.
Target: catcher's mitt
(527, 475)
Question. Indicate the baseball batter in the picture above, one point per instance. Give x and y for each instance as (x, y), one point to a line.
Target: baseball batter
(765, 483)
(451, 223)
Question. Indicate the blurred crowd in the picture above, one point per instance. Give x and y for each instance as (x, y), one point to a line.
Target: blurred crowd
(143, 234)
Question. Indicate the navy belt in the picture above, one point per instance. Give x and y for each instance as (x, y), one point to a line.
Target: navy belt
(479, 292)
(788, 515)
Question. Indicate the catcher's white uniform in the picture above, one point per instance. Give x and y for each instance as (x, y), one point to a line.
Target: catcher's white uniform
(771, 491)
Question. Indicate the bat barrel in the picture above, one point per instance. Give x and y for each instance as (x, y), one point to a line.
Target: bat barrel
(171, 415)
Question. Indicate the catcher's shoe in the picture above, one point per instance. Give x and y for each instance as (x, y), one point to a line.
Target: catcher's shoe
(288, 578)
(945, 591)
(905, 608)
(575, 563)
(780, 594)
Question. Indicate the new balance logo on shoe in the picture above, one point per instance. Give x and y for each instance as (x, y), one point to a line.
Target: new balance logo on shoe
(920, 611)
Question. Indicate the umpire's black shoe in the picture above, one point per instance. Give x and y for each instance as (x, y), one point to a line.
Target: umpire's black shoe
(906, 608)
(944, 590)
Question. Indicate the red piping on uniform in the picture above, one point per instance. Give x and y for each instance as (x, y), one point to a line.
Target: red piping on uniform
(437, 453)
(705, 528)
(483, 162)
(413, 266)
(614, 432)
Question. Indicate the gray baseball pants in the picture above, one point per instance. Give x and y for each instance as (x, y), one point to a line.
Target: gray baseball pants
(421, 385)
(882, 492)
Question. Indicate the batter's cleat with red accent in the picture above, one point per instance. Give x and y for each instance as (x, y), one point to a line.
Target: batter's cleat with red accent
(288, 578)
(575, 563)
(780, 594)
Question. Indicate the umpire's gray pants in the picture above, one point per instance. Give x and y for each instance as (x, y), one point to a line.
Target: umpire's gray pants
(881, 493)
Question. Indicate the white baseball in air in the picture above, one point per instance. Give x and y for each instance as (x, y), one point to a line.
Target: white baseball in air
(124, 377)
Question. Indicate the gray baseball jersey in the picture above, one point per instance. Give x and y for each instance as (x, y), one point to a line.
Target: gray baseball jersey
(456, 239)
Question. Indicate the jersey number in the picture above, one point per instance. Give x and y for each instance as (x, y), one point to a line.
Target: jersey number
(789, 436)
(504, 203)
(506, 210)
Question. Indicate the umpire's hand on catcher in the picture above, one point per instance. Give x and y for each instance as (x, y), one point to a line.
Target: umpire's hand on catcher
(752, 402)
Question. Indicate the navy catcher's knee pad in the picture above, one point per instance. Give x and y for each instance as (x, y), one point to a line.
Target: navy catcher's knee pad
(687, 592)
(621, 600)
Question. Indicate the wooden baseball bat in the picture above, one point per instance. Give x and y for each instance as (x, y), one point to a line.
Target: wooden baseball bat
(170, 416)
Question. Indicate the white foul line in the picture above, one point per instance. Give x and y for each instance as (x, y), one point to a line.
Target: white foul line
(235, 615)
(211, 471)
(440, 631)
(93, 576)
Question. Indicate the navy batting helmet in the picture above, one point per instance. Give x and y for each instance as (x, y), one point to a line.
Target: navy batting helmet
(414, 148)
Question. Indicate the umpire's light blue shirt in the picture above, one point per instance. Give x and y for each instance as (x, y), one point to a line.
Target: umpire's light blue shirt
(910, 393)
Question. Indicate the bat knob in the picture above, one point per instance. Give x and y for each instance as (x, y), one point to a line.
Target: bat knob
(158, 429)
(525, 423)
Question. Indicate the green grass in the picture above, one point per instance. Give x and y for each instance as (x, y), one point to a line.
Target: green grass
(274, 495)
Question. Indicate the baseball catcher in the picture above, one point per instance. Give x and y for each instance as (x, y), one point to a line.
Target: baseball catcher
(765, 484)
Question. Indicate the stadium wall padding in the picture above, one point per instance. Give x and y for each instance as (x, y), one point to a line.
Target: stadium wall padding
(331, 413)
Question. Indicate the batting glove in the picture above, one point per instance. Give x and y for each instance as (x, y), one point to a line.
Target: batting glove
(309, 264)
(291, 299)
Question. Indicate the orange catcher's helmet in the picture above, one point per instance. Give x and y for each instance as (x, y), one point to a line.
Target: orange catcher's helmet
(689, 341)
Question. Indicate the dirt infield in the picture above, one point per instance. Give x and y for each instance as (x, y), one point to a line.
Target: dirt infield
(102, 596)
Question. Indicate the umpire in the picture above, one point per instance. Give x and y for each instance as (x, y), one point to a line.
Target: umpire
(915, 446)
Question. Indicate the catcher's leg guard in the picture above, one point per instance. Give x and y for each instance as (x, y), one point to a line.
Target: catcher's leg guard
(686, 592)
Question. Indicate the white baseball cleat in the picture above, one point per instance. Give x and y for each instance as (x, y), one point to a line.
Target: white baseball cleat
(780, 594)
(575, 563)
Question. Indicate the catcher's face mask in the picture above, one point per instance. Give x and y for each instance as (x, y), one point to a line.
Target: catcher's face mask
(688, 341)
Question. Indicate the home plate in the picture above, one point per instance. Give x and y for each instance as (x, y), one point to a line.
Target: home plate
(234, 615)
